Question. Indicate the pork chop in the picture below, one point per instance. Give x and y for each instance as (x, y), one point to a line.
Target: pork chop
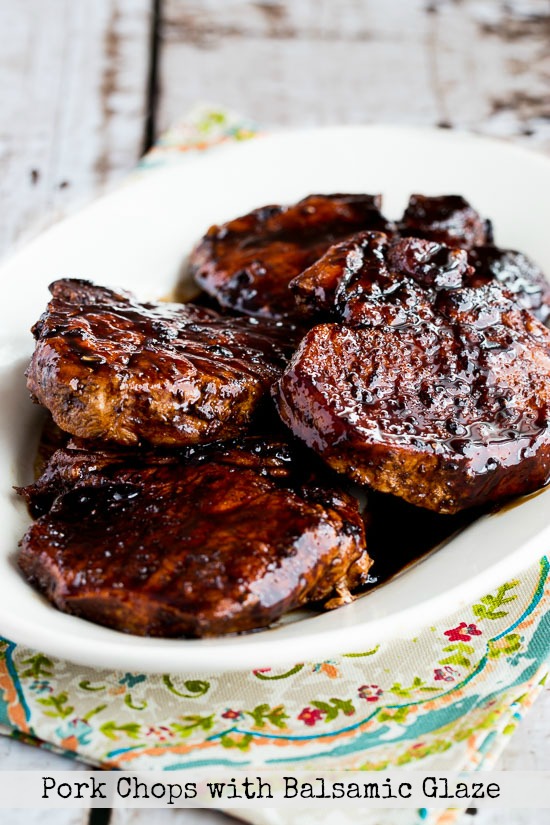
(449, 219)
(371, 275)
(447, 408)
(375, 280)
(247, 263)
(516, 273)
(110, 368)
(210, 540)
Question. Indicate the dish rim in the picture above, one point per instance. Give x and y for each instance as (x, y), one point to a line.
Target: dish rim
(163, 654)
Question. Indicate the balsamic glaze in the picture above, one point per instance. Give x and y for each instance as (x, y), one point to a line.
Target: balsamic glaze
(400, 534)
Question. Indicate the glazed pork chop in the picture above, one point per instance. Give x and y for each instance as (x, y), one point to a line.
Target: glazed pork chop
(430, 390)
(449, 219)
(375, 280)
(372, 272)
(247, 263)
(211, 540)
(110, 368)
(516, 273)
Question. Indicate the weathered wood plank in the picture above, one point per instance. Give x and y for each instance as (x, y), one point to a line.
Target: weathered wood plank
(476, 64)
(303, 62)
(15, 756)
(74, 85)
(490, 67)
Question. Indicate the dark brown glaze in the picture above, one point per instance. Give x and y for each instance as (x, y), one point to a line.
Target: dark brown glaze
(401, 534)
(247, 263)
(367, 279)
(515, 272)
(213, 540)
(110, 368)
(374, 280)
(448, 218)
(445, 414)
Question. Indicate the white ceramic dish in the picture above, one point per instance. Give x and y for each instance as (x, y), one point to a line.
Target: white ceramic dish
(137, 238)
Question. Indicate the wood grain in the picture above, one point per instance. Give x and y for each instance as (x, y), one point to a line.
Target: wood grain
(476, 64)
(74, 80)
(16, 756)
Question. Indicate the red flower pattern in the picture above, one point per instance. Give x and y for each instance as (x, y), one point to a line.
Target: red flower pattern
(161, 732)
(462, 633)
(445, 674)
(310, 716)
(371, 693)
(232, 714)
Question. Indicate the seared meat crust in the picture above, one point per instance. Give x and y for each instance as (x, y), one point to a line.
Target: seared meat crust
(211, 540)
(110, 368)
(448, 219)
(516, 273)
(247, 263)
(374, 280)
(442, 398)
(371, 278)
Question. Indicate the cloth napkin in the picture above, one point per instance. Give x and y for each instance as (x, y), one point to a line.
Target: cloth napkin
(446, 699)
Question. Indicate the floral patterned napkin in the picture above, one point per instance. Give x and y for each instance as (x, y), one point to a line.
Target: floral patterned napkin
(447, 699)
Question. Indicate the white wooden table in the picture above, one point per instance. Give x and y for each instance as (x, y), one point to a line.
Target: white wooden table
(87, 84)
